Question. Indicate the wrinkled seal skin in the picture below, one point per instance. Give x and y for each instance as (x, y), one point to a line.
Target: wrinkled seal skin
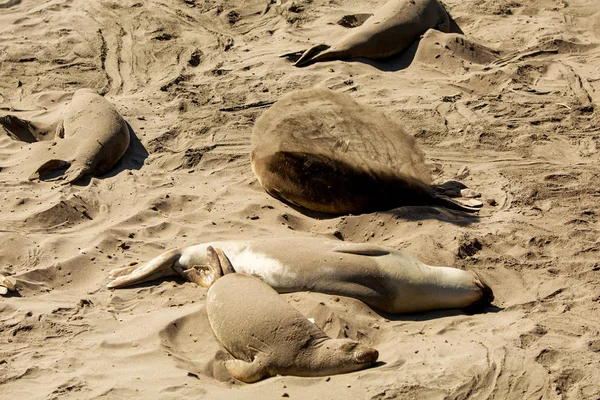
(391, 29)
(92, 136)
(269, 337)
(383, 278)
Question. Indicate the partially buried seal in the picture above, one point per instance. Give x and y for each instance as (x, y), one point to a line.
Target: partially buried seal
(391, 29)
(321, 150)
(269, 337)
(383, 278)
(91, 138)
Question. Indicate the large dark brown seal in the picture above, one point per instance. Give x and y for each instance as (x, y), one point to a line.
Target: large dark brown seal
(323, 151)
(269, 337)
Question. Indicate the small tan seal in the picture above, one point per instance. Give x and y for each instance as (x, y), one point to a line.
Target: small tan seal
(391, 29)
(269, 337)
(91, 138)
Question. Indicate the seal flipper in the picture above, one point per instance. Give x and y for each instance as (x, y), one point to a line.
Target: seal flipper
(312, 55)
(248, 372)
(49, 166)
(217, 265)
(74, 174)
(158, 267)
(226, 266)
(447, 202)
(361, 249)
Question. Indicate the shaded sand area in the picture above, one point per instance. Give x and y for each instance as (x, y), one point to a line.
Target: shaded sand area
(511, 109)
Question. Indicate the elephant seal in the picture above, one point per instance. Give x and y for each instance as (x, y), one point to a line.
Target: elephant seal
(269, 337)
(391, 29)
(322, 151)
(383, 278)
(91, 138)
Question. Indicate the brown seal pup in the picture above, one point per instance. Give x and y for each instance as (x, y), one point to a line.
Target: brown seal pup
(91, 138)
(391, 29)
(322, 151)
(383, 278)
(269, 337)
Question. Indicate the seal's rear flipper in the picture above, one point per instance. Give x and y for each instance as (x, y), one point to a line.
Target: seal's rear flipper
(50, 170)
(310, 55)
(18, 129)
(487, 295)
(455, 205)
(158, 267)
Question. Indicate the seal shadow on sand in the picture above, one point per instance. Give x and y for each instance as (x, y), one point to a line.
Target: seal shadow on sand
(438, 314)
(407, 213)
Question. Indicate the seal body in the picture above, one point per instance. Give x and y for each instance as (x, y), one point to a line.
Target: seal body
(322, 151)
(268, 337)
(391, 29)
(91, 138)
(383, 278)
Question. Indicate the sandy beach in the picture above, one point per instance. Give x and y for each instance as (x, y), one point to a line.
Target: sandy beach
(510, 109)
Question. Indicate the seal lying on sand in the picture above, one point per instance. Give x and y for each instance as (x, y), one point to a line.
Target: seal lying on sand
(383, 278)
(323, 151)
(391, 29)
(269, 337)
(93, 137)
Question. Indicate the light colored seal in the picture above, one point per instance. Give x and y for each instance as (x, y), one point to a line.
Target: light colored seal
(383, 278)
(323, 151)
(391, 29)
(91, 138)
(269, 337)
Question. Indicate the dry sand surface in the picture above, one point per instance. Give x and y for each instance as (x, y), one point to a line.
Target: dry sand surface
(511, 109)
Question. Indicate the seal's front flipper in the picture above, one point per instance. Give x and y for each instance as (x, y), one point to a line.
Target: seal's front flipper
(74, 174)
(245, 371)
(217, 265)
(293, 56)
(58, 167)
(310, 55)
(226, 267)
(158, 267)
(361, 249)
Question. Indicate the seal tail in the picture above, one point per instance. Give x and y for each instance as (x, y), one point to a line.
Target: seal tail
(158, 267)
(312, 55)
(48, 167)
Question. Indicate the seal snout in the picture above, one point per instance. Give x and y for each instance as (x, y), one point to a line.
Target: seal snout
(366, 356)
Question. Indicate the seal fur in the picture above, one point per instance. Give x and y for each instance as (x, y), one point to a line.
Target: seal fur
(269, 337)
(391, 29)
(91, 138)
(383, 278)
(323, 151)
